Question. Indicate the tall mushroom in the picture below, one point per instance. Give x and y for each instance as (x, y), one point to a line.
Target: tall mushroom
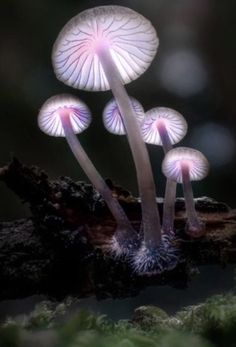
(165, 127)
(104, 48)
(184, 165)
(66, 116)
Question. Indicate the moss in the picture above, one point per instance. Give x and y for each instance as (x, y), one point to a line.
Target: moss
(81, 325)
(10, 336)
(210, 324)
(149, 316)
(180, 339)
(215, 319)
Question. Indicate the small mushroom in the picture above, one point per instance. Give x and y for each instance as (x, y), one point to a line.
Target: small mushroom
(165, 127)
(66, 116)
(184, 165)
(112, 118)
(104, 48)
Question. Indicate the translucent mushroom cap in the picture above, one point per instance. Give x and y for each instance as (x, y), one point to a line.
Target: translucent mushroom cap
(163, 117)
(180, 157)
(49, 118)
(112, 118)
(130, 38)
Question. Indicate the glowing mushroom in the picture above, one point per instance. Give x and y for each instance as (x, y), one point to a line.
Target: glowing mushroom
(104, 48)
(184, 165)
(112, 118)
(66, 116)
(165, 127)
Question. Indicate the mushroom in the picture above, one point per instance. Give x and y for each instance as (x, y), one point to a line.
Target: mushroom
(104, 48)
(184, 165)
(112, 118)
(165, 127)
(66, 116)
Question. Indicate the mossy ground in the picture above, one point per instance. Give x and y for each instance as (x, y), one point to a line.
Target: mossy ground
(209, 324)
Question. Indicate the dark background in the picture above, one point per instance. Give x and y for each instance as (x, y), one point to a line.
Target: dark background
(193, 72)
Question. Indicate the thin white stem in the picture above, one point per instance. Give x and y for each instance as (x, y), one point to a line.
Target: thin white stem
(193, 220)
(147, 191)
(165, 139)
(170, 191)
(169, 207)
(118, 213)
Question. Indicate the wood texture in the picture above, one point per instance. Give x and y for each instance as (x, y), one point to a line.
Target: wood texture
(61, 249)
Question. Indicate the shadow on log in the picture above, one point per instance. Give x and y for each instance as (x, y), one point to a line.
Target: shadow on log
(60, 250)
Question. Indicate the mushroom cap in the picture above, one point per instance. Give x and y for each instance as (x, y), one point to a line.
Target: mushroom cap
(175, 159)
(49, 118)
(112, 118)
(130, 38)
(173, 121)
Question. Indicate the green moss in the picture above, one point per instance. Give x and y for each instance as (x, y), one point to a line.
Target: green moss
(215, 319)
(180, 339)
(10, 336)
(149, 316)
(210, 324)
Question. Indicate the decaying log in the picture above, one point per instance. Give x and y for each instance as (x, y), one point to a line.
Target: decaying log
(60, 250)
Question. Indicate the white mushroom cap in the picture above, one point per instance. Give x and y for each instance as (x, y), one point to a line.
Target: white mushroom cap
(112, 118)
(175, 159)
(173, 121)
(130, 38)
(49, 118)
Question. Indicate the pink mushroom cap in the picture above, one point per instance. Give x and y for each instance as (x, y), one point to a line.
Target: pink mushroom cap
(130, 38)
(180, 157)
(112, 118)
(49, 118)
(162, 117)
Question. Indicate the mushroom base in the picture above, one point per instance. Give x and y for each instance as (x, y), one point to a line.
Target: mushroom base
(152, 261)
(119, 247)
(195, 230)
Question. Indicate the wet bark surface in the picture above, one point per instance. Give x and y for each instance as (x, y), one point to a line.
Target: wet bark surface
(62, 249)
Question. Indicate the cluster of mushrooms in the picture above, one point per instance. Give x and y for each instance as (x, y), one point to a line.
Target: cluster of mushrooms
(104, 48)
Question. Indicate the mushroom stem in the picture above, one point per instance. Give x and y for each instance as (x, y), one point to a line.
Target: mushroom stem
(169, 207)
(170, 192)
(165, 139)
(123, 224)
(194, 225)
(147, 191)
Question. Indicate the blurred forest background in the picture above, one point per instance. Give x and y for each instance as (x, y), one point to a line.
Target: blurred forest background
(194, 72)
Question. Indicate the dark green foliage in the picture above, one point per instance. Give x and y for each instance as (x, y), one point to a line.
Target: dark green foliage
(150, 316)
(210, 324)
(10, 336)
(215, 319)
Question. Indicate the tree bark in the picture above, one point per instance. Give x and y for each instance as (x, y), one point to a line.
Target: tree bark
(62, 249)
